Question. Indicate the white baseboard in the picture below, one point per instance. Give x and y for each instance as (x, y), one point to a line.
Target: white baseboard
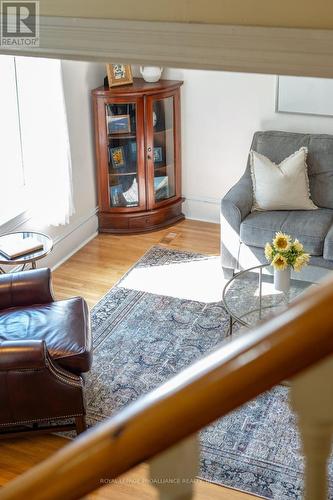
(76, 249)
(74, 237)
(203, 209)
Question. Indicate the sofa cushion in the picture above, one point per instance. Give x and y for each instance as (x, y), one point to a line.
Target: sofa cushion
(309, 226)
(320, 157)
(328, 245)
(278, 145)
(281, 187)
(64, 325)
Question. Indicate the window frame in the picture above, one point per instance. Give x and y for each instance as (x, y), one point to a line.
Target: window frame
(17, 206)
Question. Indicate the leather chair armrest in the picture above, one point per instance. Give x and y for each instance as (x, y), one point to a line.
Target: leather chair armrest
(32, 355)
(26, 288)
(22, 354)
(33, 388)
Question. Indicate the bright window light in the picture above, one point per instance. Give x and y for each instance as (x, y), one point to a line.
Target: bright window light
(11, 168)
(35, 165)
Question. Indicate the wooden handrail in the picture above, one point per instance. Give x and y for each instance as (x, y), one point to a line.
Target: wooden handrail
(207, 390)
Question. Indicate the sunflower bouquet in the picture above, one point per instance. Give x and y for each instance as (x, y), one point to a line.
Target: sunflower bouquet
(284, 252)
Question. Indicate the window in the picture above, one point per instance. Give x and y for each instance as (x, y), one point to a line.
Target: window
(35, 161)
(11, 165)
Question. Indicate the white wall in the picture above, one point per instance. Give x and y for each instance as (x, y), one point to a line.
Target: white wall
(220, 113)
(79, 78)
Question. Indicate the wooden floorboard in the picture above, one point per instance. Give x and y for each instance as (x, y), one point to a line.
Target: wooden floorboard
(91, 272)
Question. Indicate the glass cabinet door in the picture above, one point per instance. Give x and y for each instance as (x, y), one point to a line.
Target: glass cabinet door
(162, 149)
(122, 150)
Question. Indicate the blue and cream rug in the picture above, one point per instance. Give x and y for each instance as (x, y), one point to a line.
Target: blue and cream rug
(163, 315)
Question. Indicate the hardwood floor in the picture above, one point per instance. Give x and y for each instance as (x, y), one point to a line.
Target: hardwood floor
(101, 263)
(90, 273)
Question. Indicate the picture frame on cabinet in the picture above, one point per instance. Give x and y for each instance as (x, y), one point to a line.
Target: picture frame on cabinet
(119, 124)
(133, 150)
(131, 195)
(158, 154)
(116, 195)
(161, 187)
(158, 116)
(119, 74)
(117, 157)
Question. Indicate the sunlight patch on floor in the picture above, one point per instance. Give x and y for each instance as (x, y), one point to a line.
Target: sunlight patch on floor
(267, 289)
(200, 280)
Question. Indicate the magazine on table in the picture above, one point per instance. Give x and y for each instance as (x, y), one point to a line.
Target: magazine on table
(14, 247)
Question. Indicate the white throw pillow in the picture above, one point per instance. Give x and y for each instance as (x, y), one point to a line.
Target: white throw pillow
(281, 187)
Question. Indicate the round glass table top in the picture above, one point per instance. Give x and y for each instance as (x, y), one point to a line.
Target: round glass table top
(250, 295)
(12, 238)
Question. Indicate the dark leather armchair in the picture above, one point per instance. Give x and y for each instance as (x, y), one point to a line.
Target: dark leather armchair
(45, 346)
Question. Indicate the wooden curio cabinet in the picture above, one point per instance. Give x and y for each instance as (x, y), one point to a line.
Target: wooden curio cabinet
(137, 130)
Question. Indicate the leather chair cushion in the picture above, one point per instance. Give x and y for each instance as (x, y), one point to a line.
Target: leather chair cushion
(309, 226)
(64, 325)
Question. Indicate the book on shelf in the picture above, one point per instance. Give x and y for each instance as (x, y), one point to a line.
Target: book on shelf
(116, 195)
(14, 247)
(132, 194)
(161, 182)
(161, 185)
(117, 157)
(126, 195)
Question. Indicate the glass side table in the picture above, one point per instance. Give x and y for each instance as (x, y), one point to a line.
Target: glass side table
(250, 296)
(29, 258)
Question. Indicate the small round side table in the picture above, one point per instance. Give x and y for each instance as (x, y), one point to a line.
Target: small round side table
(29, 258)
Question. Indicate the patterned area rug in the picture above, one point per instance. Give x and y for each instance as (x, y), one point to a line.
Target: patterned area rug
(163, 315)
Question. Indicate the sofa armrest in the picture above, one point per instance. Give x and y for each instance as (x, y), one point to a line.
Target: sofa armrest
(25, 288)
(237, 203)
(235, 206)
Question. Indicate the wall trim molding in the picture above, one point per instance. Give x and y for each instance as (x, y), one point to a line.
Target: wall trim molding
(202, 208)
(73, 239)
(74, 250)
(286, 51)
(210, 201)
(14, 223)
(69, 242)
(74, 227)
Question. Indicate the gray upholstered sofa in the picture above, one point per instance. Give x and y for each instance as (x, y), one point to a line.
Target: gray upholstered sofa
(244, 233)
